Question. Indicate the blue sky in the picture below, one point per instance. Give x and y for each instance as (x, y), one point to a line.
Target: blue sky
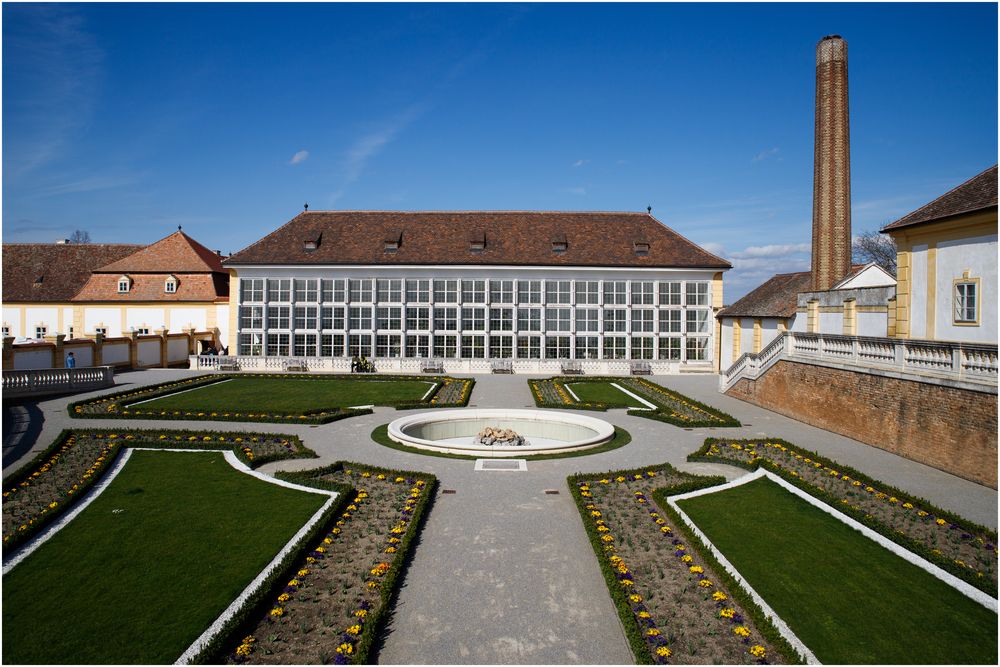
(128, 120)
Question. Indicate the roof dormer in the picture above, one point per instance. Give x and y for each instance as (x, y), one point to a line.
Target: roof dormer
(477, 241)
(124, 284)
(170, 285)
(559, 243)
(393, 239)
(640, 247)
(310, 244)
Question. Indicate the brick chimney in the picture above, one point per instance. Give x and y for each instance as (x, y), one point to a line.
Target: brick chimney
(831, 232)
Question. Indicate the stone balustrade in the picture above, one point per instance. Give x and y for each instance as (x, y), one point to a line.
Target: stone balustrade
(963, 365)
(56, 381)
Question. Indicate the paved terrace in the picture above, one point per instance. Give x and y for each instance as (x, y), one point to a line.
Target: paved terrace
(503, 572)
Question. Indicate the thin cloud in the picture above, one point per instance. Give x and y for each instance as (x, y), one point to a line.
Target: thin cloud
(301, 156)
(371, 144)
(772, 251)
(580, 163)
(764, 155)
(90, 183)
(579, 190)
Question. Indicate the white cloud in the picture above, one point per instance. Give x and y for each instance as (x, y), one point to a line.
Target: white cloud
(369, 145)
(579, 190)
(714, 248)
(580, 163)
(765, 154)
(299, 157)
(773, 251)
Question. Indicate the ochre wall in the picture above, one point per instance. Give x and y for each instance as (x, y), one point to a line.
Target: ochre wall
(954, 430)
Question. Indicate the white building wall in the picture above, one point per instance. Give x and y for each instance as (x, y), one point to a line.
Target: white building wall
(873, 324)
(222, 321)
(918, 291)
(115, 353)
(726, 344)
(12, 320)
(26, 360)
(182, 317)
(36, 316)
(148, 318)
(84, 355)
(978, 256)
(746, 334)
(832, 323)
(177, 349)
(148, 352)
(111, 318)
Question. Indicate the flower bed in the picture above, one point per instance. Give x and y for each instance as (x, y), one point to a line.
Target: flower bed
(42, 489)
(671, 406)
(675, 603)
(967, 550)
(331, 604)
(130, 404)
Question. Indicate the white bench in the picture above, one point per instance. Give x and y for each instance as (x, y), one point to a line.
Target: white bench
(432, 366)
(228, 364)
(502, 366)
(298, 365)
(640, 368)
(572, 368)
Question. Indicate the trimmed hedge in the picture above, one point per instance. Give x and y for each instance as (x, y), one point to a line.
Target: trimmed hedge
(251, 613)
(723, 420)
(43, 520)
(763, 623)
(859, 515)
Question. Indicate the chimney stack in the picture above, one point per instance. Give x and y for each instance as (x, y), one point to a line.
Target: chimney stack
(831, 232)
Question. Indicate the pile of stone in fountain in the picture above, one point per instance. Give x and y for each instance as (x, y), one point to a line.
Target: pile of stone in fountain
(500, 437)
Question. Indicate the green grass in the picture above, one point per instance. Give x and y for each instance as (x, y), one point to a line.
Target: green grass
(381, 436)
(602, 392)
(847, 598)
(139, 585)
(291, 395)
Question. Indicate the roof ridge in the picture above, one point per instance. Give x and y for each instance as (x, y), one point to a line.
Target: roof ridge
(939, 198)
(520, 211)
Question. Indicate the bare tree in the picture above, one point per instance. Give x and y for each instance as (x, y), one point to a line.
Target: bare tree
(80, 236)
(871, 246)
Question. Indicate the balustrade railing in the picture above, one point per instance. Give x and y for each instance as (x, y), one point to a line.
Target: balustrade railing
(970, 364)
(56, 380)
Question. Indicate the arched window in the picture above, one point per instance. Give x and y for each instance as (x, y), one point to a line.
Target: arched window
(124, 284)
(170, 286)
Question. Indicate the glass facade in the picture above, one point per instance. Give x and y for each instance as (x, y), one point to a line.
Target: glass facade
(476, 318)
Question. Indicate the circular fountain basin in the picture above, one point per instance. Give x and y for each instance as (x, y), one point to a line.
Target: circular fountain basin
(455, 431)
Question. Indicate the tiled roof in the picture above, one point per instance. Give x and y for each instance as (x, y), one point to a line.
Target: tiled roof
(775, 298)
(175, 253)
(976, 194)
(778, 297)
(523, 238)
(151, 287)
(50, 272)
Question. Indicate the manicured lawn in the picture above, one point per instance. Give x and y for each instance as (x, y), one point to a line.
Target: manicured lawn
(602, 392)
(291, 394)
(847, 598)
(145, 569)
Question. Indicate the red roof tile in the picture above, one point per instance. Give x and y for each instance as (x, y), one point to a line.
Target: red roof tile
(976, 194)
(175, 253)
(52, 272)
(775, 298)
(151, 287)
(523, 238)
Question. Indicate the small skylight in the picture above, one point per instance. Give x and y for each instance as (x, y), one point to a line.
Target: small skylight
(311, 244)
(559, 243)
(393, 240)
(477, 242)
(640, 247)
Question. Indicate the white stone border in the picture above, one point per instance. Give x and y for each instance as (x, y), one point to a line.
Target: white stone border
(650, 406)
(522, 465)
(178, 393)
(434, 385)
(571, 392)
(948, 578)
(217, 625)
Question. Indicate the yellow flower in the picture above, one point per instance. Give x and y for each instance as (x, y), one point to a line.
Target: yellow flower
(686, 558)
(741, 631)
(696, 569)
(663, 652)
(302, 572)
(652, 632)
(635, 599)
(284, 597)
(719, 596)
(354, 630)
(345, 649)
(727, 613)
(705, 583)
(361, 613)
(277, 611)
(940, 522)
(758, 651)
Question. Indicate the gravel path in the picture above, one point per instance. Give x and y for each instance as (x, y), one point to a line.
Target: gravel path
(503, 572)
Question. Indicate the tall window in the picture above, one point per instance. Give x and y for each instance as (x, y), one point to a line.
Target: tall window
(474, 319)
(359, 345)
(331, 345)
(614, 347)
(473, 291)
(445, 291)
(418, 291)
(305, 317)
(642, 347)
(588, 292)
(387, 345)
(642, 320)
(697, 321)
(446, 346)
(418, 318)
(615, 319)
(697, 348)
(391, 290)
(614, 292)
(502, 291)
(278, 317)
(332, 317)
(558, 319)
(360, 318)
(529, 347)
(252, 289)
(642, 293)
(966, 302)
(305, 289)
(529, 291)
(304, 345)
(418, 346)
(587, 319)
(501, 319)
(251, 317)
(277, 345)
(670, 294)
(529, 319)
(250, 344)
(474, 347)
(697, 294)
(558, 291)
(670, 320)
(334, 291)
(670, 348)
(360, 290)
(279, 289)
(557, 347)
(388, 317)
(445, 319)
(586, 347)
(501, 347)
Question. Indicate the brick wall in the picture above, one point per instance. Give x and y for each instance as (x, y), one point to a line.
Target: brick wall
(954, 430)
